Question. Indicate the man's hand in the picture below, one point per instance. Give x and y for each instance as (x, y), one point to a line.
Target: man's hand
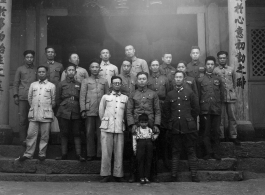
(156, 129)
(134, 127)
(83, 114)
(16, 100)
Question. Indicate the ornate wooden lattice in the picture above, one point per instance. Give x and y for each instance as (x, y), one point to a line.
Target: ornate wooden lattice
(258, 52)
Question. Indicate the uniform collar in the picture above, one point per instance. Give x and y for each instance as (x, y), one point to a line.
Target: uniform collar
(94, 77)
(126, 74)
(167, 66)
(209, 75)
(105, 63)
(134, 58)
(50, 62)
(116, 93)
(142, 89)
(195, 63)
(43, 82)
(156, 75)
(223, 67)
(179, 89)
(70, 80)
(29, 66)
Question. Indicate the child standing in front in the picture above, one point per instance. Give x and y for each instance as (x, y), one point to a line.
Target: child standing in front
(143, 147)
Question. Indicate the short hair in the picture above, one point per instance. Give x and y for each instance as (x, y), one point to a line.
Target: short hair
(178, 71)
(49, 47)
(153, 61)
(142, 73)
(29, 52)
(195, 47)
(70, 64)
(115, 77)
(210, 58)
(183, 62)
(167, 53)
(72, 54)
(46, 68)
(104, 49)
(143, 117)
(222, 53)
(95, 60)
(128, 46)
(127, 59)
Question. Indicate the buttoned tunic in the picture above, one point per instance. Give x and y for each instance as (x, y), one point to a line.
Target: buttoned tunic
(54, 72)
(80, 75)
(210, 90)
(25, 75)
(195, 69)
(41, 99)
(67, 97)
(159, 83)
(144, 100)
(228, 76)
(138, 65)
(128, 84)
(92, 90)
(168, 70)
(112, 110)
(181, 107)
(107, 70)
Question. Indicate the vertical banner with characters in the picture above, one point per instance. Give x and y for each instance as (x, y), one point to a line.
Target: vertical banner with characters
(238, 53)
(5, 44)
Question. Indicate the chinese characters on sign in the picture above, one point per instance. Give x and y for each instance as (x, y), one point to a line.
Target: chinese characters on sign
(240, 45)
(3, 11)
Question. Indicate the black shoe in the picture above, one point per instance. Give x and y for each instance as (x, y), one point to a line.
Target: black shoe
(63, 157)
(42, 158)
(80, 158)
(22, 158)
(90, 158)
(147, 181)
(142, 181)
(236, 142)
(174, 178)
(105, 179)
(216, 156)
(132, 178)
(207, 157)
(195, 179)
(120, 179)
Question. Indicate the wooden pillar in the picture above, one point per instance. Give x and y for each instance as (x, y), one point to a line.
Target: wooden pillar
(5, 46)
(212, 30)
(238, 59)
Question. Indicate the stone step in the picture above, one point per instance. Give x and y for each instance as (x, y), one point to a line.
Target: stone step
(227, 149)
(93, 167)
(204, 176)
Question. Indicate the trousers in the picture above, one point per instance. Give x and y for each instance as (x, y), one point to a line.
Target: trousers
(112, 142)
(23, 110)
(93, 136)
(229, 109)
(31, 140)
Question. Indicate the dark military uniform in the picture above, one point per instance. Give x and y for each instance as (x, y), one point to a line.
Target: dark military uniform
(195, 69)
(128, 84)
(191, 82)
(169, 71)
(55, 70)
(210, 90)
(25, 75)
(181, 107)
(146, 101)
(67, 97)
(159, 83)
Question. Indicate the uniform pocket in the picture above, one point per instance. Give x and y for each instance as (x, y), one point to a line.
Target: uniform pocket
(47, 93)
(31, 113)
(47, 114)
(104, 123)
(191, 124)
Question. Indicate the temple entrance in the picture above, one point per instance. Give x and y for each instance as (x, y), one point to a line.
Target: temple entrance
(150, 35)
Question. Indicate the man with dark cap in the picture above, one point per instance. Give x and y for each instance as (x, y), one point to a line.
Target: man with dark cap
(25, 75)
(55, 68)
(92, 90)
(69, 117)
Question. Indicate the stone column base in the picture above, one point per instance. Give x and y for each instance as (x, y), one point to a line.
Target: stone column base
(245, 131)
(6, 136)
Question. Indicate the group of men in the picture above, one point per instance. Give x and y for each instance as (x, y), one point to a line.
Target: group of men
(108, 104)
